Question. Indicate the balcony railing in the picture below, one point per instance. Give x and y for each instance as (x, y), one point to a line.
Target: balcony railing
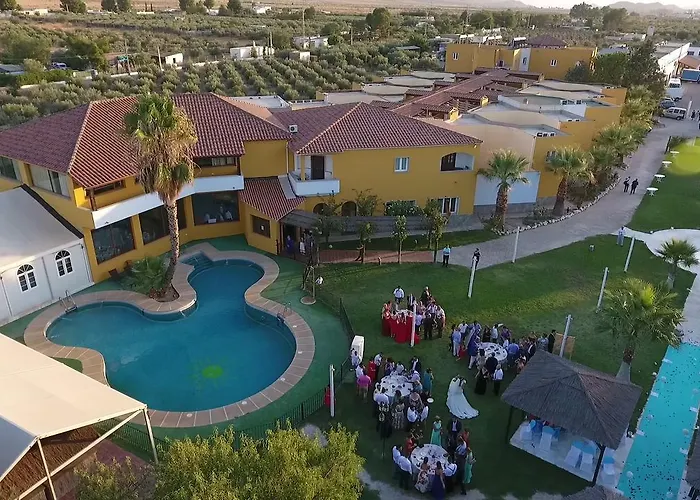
(314, 187)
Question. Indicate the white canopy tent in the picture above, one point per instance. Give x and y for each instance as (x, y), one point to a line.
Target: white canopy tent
(42, 398)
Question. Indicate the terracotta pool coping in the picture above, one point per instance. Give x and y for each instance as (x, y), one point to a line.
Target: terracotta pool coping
(94, 365)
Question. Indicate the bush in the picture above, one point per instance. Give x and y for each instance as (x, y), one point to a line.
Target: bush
(406, 208)
(147, 276)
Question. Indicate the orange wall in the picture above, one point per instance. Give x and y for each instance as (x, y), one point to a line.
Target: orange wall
(264, 159)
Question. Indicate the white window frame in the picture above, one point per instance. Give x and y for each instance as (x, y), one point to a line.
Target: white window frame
(13, 164)
(448, 205)
(402, 164)
(455, 56)
(553, 62)
(26, 277)
(64, 265)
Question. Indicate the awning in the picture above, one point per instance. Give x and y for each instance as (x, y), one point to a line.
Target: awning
(690, 62)
(272, 196)
(301, 218)
(41, 397)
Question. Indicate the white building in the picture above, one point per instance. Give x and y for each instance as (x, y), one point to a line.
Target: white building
(42, 257)
(265, 101)
(669, 54)
(262, 9)
(694, 51)
(251, 52)
(310, 42)
(300, 55)
(172, 59)
(34, 12)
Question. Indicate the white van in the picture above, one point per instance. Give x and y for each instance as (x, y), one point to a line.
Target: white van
(677, 113)
(675, 89)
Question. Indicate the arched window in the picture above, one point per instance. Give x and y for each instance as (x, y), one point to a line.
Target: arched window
(63, 263)
(349, 209)
(320, 208)
(25, 275)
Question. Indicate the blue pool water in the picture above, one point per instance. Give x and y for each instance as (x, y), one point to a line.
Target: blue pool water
(219, 353)
(659, 453)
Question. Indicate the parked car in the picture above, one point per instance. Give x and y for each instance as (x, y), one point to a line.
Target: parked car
(675, 89)
(58, 65)
(677, 113)
(667, 103)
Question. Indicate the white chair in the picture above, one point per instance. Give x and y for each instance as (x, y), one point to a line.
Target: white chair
(546, 442)
(587, 462)
(572, 457)
(609, 465)
(525, 433)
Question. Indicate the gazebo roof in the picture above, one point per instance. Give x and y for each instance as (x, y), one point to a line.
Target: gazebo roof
(596, 493)
(692, 475)
(586, 402)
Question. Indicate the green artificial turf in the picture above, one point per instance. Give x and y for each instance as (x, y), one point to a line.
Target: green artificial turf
(535, 294)
(676, 203)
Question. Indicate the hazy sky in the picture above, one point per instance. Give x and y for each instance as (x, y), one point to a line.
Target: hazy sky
(684, 4)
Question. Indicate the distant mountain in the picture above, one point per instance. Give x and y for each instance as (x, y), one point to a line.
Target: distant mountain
(655, 8)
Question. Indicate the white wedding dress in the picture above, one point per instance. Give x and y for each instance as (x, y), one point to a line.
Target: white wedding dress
(457, 402)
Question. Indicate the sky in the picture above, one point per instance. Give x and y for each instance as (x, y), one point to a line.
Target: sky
(684, 4)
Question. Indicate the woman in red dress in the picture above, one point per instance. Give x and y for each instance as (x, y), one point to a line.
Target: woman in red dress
(386, 317)
(372, 371)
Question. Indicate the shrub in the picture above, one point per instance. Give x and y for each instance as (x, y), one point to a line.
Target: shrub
(147, 276)
(406, 208)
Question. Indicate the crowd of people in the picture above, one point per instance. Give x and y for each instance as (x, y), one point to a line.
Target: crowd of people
(430, 316)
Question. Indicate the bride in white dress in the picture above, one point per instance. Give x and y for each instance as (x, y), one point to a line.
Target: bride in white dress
(457, 402)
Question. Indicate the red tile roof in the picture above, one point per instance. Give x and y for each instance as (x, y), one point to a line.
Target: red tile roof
(266, 195)
(87, 142)
(333, 129)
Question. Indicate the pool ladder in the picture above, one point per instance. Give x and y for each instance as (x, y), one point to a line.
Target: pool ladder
(68, 303)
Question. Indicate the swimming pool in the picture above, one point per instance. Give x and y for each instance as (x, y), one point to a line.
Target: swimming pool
(220, 352)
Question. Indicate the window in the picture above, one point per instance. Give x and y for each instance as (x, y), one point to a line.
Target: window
(154, 222)
(219, 161)
(261, 226)
(348, 209)
(108, 187)
(113, 240)
(553, 62)
(214, 208)
(455, 56)
(448, 205)
(691, 52)
(401, 164)
(448, 162)
(25, 275)
(8, 169)
(63, 263)
(500, 63)
(49, 180)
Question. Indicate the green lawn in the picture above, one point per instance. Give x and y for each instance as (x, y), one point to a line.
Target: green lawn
(420, 242)
(535, 294)
(676, 203)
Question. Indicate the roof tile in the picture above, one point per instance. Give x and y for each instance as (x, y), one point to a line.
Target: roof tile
(266, 195)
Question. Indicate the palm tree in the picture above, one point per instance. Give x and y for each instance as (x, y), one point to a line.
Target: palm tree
(603, 160)
(508, 168)
(569, 163)
(638, 311)
(163, 137)
(678, 253)
(617, 137)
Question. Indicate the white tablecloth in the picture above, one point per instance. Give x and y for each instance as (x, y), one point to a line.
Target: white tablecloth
(434, 453)
(490, 347)
(392, 383)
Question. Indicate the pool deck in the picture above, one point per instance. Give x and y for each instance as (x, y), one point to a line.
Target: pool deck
(94, 365)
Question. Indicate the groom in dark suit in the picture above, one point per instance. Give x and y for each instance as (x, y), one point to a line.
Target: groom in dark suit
(454, 428)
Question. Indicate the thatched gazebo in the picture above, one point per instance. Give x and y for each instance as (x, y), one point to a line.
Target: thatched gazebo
(596, 493)
(586, 402)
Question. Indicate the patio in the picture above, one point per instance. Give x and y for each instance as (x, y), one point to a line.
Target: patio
(576, 417)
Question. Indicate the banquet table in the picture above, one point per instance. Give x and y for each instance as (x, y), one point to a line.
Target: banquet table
(401, 328)
(434, 453)
(393, 383)
(499, 350)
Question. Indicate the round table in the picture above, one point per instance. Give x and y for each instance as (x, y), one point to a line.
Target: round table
(652, 191)
(666, 163)
(393, 383)
(659, 177)
(434, 453)
(497, 349)
(674, 153)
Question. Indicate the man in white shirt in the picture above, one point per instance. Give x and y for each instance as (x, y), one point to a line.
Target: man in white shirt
(424, 414)
(378, 359)
(450, 472)
(446, 256)
(415, 376)
(359, 371)
(399, 368)
(494, 333)
(381, 397)
(398, 294)
(354, 359)
(412, 416)
(406, 473)
(497, 378)
(456, 339)
(396, 453)
(419, 321)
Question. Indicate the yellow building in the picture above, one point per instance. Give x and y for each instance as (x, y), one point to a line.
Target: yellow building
(542, 54)
(254, 168)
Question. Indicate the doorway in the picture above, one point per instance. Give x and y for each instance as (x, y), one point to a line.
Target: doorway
(317, 168)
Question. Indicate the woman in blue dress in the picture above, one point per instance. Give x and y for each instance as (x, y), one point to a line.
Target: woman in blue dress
(438, 487)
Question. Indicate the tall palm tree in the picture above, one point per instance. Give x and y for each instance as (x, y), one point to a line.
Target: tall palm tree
(508, 168)
(569, 163)
(619, 138)
(638, 311)
(163, 137)
(603, 160)
(678, 253)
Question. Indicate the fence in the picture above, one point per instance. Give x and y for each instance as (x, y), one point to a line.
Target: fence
(135, 438)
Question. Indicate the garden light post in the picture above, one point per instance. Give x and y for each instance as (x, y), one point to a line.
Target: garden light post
(566, 334)
(602, 289)
(471, 277)
(331, 374)
(515, 246)
(629, 254)
(413, 325)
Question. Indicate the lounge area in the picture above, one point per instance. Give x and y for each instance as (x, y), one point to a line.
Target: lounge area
(574, 417)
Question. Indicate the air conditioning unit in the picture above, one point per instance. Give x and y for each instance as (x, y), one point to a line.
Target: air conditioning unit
(540, 134)
(579, 101)
(293, 129)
